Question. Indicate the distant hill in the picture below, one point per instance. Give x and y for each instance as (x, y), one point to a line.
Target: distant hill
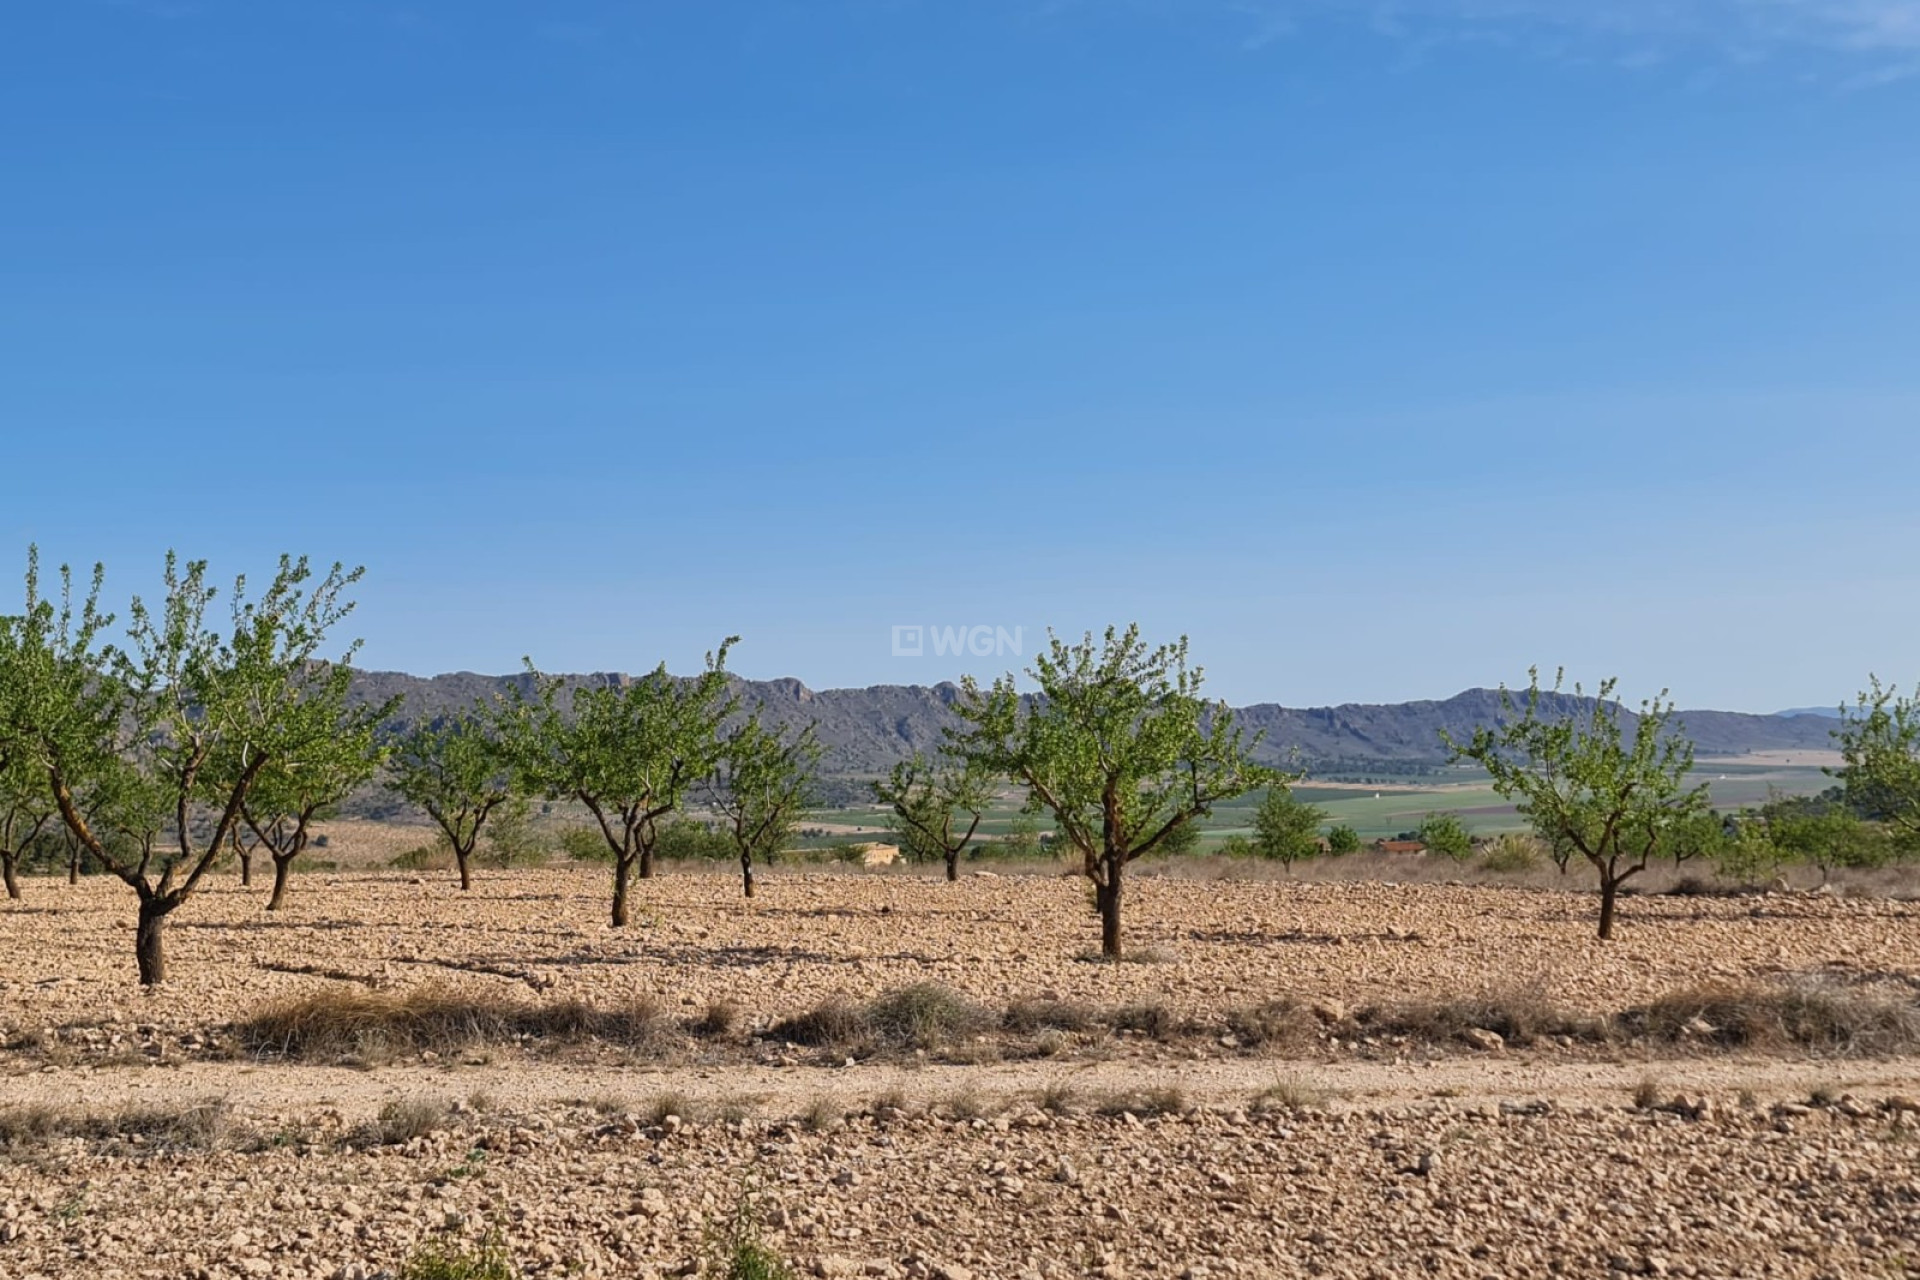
(865, 731)
(1830, 713)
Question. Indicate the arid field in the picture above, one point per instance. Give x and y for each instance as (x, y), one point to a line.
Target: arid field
(894, 1076)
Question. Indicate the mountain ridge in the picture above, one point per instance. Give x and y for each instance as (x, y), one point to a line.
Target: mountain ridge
(865, 731)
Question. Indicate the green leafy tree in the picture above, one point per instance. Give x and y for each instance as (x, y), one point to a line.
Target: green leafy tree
(1118, 745)
(512, 838)
(1879, 740)
(336, 753)
(1343, 840)
(189, 712)
(765, 783)
(1023, 837)
(1446, 834)
(1700, 835)
(1824, 834)
(1584, 778)
(1285, 828)
(930, 802)
(629, 752)
(457, 770)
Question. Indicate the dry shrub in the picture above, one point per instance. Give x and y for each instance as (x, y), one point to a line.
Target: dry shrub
(836, 1024)
(1024, 1017)
(1806, 1018)
(1056, 1098)
(404, 1119)
(721, 1019)
(1161, 1100)
(372, 1025)
(32, 1125)
(1518, 1017)
(1149, 1019)
(822, 1115)
(1290, 1093)
(1277, 1024)
(925, 1015)
(192, 1126)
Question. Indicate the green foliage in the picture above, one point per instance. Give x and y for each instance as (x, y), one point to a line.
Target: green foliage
(512, 838)
(736, 1249)
(1285, 829)
(435, 855)
(1342, 840)
(1879, 740)
(1023, 837)
(936, 808)
(1825, 835)
(451, 1260)
(629, 751)
(1511, 852)
(336, 753)
(1446, 834)
(184, 720)
(1747, 855)
(457, 771)
(1701, 834)
(685, 839)
(1237, 846)
(585, 844)
(765, 783)
(1583, 779)
(1118, 746)
(1182, 840)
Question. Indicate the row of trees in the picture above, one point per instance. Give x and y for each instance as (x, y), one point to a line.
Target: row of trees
(187, 738)
(191, 738)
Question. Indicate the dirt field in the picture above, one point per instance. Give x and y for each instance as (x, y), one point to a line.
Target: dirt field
(1161, 1130)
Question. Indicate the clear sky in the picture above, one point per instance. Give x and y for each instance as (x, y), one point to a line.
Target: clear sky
(1386, 349)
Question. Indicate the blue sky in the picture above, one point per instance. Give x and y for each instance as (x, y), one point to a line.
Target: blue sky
(1385, 349)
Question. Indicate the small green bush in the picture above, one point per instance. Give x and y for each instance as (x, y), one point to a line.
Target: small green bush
(452, 1260)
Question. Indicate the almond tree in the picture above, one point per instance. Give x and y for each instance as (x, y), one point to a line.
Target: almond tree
(629, 752)
(1117, 744)
(458, 771)
(930, 801)
(764, 784)
(1613, 795)
(1879, 739)
(190, 713)
(336, 754)
(26, 802)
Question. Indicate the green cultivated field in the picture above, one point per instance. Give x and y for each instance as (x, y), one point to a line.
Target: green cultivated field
(1374, 812)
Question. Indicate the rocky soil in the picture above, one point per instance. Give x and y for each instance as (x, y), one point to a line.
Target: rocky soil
(66, 954)
(128, 1148)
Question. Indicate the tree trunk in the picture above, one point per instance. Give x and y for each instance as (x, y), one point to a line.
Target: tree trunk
(746, 873)
(621, 866)
(646, 864)
(1609, 894)
(953, 865)
(282, 872)
(464, 859)
(73, 866)
(1108, 897)
(9, 868)
(246, 868)
(147, 950)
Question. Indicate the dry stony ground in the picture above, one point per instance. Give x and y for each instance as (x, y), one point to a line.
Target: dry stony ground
(1194, 1155)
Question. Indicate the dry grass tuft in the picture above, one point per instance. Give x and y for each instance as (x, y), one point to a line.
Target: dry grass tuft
(1277, 1024)
(404, 1119)
(837, 1024)
(376, 1025)
(1024, 1017)
(1839, 1023)
(926, 1015)
(1151, 1019)
(1518, 1017)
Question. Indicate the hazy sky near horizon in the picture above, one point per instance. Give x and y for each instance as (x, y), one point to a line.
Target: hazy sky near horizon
(1385, 349)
